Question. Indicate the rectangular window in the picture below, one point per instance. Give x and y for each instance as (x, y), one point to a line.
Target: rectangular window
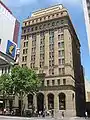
(26, 51)
(52, 62)
(58, 81)
(61, 53)
(62, 21)
(25, 37)
(62, 44)
(49, 63)
(41, 48)
(23, 59)
(23, 51)
(60, 71)
(63, 70)
(60, 30)
(60, 61)
(52, 71)
(53, 82)
(64, 81)
(62, 36)
(63, 61)
(24, 44)
(24, 31)
(58, 37)
(48, 83)
(50, 55)
(59, 45)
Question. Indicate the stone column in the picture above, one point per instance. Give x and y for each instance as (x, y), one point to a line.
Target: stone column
(55, 104)
(56, 52)
(21, 52)
(25, 102)
(46, 64)
(37, 57)
(68, 52)
(15, 102)
(70, 105)
(29, 52)
(35, 101)
(46, 100)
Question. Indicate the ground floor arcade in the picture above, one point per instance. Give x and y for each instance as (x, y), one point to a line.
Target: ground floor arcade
(58, 101)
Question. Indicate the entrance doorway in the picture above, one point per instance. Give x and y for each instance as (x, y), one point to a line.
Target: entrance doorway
(40, 102)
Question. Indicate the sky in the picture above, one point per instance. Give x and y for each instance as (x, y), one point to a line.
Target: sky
(23, 8)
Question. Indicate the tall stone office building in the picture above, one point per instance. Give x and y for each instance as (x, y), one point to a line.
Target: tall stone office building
(50, 46)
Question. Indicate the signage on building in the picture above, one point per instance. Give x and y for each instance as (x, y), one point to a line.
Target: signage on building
(11, 48)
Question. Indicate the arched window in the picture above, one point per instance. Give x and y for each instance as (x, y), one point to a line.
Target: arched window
(30, 101)
(40, 102)
(62, 101)
(50, 101)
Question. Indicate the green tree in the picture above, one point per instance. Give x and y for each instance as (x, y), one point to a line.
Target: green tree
(25, 81)
(5, 87)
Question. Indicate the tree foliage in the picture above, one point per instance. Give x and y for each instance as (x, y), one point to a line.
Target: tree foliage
(21, 82)
(25, 80)
(6, 84)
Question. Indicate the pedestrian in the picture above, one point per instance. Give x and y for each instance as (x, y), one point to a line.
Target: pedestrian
(62, 115)
(4, 111)
(52, 113)
(86, 115)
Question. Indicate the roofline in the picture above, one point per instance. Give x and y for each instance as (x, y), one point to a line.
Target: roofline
(47, 8)
(5, 7)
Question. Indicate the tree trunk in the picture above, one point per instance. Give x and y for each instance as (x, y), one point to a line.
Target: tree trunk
(3, 104)
(21, 103)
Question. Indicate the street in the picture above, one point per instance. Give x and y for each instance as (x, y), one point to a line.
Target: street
(38, 118)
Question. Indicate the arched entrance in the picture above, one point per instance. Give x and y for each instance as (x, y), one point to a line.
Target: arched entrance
(40, 102)
(62, 101)
(30, 101)
(50, 101)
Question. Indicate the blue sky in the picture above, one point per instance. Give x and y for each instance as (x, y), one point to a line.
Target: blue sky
(23, 8)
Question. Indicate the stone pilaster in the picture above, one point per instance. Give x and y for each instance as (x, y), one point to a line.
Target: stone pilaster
(46, 64)
(29, 51)
(56, 52)
(46, 100)
(37, 58)
(25, 102)
(35, 101)
(21, 52)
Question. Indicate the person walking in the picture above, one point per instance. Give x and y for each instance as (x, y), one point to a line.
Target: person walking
(86, 115)
(62, 115)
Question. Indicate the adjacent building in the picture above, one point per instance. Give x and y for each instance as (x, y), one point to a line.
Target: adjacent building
(86, 8)
(87, 90)
(9, 29)
(50, 46)
(16, 62)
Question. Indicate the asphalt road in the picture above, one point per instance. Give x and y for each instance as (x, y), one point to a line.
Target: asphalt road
(21, 118)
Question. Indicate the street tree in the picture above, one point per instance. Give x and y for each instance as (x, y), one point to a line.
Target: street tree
(25, 81)
(5, 87)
